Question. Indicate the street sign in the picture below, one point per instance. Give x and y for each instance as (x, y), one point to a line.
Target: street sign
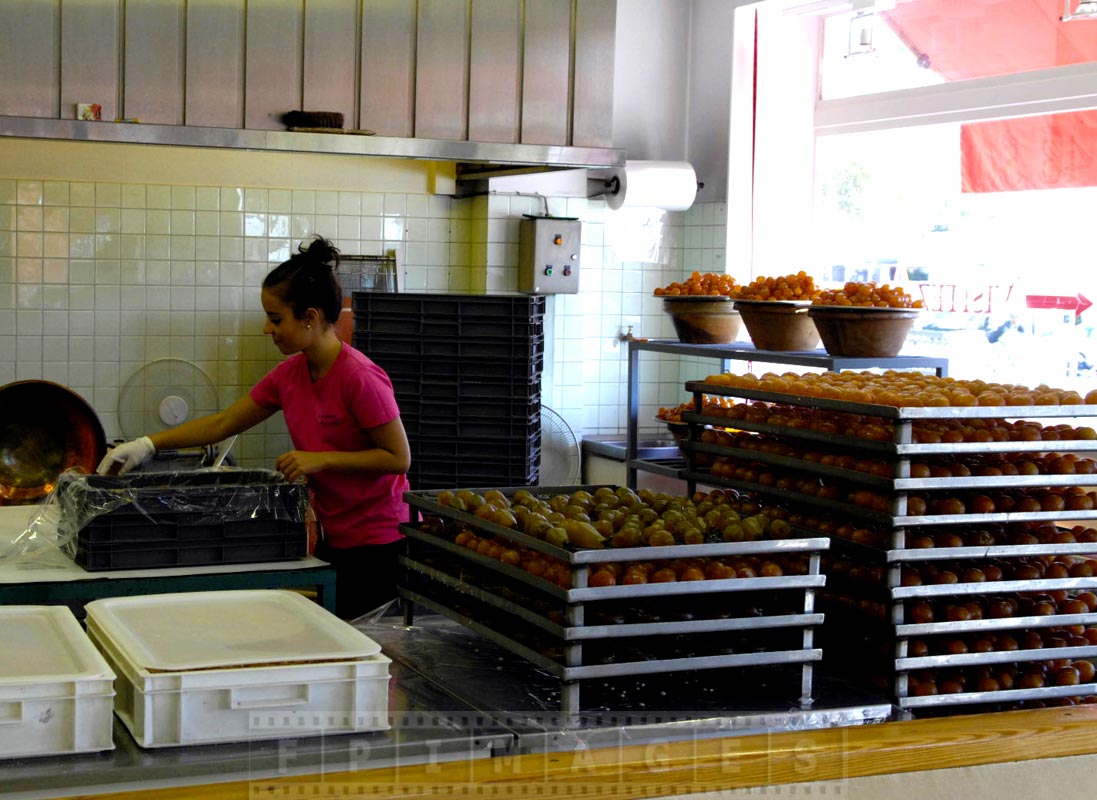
(1078, 303)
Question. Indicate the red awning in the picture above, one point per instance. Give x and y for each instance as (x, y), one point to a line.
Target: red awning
(976, 39)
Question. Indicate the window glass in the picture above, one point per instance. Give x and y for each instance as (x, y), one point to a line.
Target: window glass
(923, 42)
(1007, 277)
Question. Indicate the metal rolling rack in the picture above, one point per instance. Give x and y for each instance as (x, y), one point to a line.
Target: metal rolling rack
(899, 522)
(739, 351)
(577, 627)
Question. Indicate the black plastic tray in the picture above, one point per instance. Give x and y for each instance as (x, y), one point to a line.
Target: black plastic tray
(491, 449)
(380, 347)
(459, 474)
(164, 507)
(196, 553)
(488, 327)
(500, 369)
(438, 423)
(462, 390)
(494, 305)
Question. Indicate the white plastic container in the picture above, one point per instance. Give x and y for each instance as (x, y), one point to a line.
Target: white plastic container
(204, 667)
(56, 690)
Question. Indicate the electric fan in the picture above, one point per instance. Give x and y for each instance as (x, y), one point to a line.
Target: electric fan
(560, 456)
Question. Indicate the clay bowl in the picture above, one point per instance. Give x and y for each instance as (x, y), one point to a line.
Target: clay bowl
(709, 319)
(780, 325)
(678, 430)
(863, 331)
(45, 429)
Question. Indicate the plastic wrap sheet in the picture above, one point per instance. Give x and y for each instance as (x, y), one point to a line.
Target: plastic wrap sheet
(41, 530)
(685, 704)
(149, 504)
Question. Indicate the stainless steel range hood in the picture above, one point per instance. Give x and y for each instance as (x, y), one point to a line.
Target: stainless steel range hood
(485, 158)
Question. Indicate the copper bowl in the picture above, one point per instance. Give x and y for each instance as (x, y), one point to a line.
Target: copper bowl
(863, 331)
(45, 429)
(779, 325)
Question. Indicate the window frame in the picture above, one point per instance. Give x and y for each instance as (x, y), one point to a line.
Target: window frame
(763, 192)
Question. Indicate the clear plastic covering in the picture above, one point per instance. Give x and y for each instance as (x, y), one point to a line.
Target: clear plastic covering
(198, 505)
(39, 531)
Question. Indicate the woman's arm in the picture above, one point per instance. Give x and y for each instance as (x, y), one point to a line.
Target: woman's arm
(390, 454)
(241, 415)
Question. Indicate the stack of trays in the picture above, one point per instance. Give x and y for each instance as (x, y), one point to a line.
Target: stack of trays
(203, 667)
(466, 370)
(963, 566)
(196, 518)
(552, 605)
(56, 691)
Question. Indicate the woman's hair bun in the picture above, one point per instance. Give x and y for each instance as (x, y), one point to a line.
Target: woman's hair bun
(320, 251)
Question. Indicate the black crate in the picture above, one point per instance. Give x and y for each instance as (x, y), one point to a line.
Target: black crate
(464, 474)
(438, 424)
(432, 389)
(528, 307)
(384, 324)
(163, 511)
(127, 527)
(384, 349)
(487, 449)
(492, 408)
(193, 553)
(524, 369)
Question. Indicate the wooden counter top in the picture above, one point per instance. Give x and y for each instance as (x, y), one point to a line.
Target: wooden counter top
(655, 770)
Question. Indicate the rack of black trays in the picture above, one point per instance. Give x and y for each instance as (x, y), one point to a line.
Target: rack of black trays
(466, 371)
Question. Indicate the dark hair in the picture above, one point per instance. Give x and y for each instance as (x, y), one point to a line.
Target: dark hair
(308, 280)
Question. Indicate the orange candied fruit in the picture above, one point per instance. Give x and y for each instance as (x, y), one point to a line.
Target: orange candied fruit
(856, 293)
(800, 286)
(700, 284)
(901, 389)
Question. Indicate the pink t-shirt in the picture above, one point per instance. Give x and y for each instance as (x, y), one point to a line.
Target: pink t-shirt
(336, 413)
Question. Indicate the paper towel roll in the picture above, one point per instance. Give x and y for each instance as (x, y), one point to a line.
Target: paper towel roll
(669, 185)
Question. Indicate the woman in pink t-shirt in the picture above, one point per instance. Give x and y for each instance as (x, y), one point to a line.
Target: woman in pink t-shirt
(341, 413)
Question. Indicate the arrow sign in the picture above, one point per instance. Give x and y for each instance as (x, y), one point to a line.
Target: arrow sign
(1077, 303)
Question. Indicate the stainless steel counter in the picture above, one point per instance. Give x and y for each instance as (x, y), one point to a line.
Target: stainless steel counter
(453, 697)
(428, 725)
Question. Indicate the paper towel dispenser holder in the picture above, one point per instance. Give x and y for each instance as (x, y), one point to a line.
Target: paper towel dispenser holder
(603, 187)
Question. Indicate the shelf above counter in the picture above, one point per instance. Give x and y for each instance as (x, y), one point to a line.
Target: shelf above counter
(744, 351)
(741, 351)
(527, 156)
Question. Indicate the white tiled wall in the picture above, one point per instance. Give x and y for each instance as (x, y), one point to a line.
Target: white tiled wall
(97, 279)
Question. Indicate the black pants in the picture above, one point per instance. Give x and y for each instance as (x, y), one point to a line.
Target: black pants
(365, 577)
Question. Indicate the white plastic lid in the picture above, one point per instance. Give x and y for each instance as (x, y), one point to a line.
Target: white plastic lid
(46, 643)
(203, 630)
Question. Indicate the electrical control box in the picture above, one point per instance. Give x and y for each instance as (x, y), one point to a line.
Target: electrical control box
(548, 255)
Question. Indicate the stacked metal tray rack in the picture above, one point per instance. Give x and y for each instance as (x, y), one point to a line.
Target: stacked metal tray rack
(953, 643)
(739, 351)
(568, 631)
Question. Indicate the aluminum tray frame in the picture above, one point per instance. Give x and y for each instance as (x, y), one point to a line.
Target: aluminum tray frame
(897, 413)
(625, 629)
(902, 448)
(573, 634)
(902, 483)
(738, 351)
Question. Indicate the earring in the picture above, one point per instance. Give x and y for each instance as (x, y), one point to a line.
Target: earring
(308, 326)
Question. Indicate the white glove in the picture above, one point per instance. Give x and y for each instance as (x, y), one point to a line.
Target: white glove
(121, 458)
